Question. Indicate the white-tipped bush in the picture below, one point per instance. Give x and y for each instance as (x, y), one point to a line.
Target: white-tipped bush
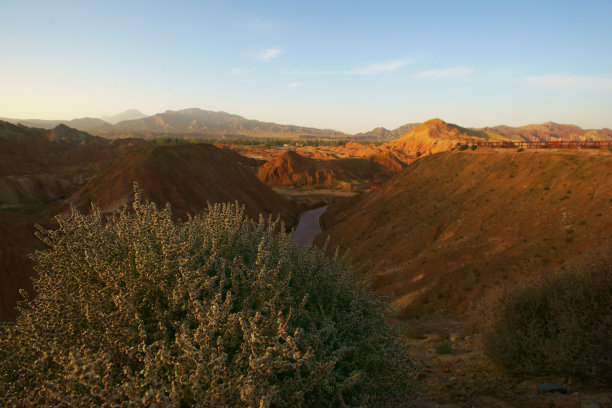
(216, 311)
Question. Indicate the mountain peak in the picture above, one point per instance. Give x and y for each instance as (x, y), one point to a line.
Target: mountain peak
(129, 114)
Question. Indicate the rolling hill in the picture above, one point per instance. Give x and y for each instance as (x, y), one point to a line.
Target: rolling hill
(548, 131)
(200, 123)
(440, 232)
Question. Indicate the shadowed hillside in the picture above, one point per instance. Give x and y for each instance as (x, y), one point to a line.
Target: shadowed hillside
(61, 150)
(17, 241)
(186, 176)
(38, 166)
(293, 169)
(451, 225)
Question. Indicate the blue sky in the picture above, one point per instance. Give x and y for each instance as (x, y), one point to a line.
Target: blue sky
(345, 65)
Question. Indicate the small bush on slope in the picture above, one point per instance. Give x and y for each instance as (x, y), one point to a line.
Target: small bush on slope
(557, 322)
(214, 311)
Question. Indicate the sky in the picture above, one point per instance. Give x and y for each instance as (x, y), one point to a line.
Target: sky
(344, 65)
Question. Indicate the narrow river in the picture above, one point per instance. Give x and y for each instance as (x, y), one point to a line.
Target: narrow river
(308, 226)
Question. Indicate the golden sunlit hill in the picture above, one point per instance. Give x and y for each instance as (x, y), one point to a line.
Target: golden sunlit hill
(186, 176)
(451, 225)
(431, 137)
(292, 169)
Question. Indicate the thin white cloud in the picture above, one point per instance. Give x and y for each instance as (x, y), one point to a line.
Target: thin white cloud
(570, 81)
(294, 84)
(269, 54)
(372, 69)
(445, 73)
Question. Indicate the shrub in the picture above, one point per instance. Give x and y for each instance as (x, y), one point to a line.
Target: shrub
(216, 311)
(556, 322)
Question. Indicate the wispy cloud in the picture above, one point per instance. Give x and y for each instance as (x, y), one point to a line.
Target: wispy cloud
(445, 73)
(294, 84)
(268, 54)
(372, 69)
(571, 81)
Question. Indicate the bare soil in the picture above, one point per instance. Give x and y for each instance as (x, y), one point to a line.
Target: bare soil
(454, 372)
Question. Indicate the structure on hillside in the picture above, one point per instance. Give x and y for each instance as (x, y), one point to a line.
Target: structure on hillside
(567, 144)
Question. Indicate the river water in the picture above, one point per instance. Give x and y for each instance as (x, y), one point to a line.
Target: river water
(308, 226)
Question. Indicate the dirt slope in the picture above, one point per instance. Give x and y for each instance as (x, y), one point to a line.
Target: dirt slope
(187, 176)
(450, 225)
(293, 169)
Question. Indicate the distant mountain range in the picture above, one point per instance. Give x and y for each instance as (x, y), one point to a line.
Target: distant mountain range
(197, 123)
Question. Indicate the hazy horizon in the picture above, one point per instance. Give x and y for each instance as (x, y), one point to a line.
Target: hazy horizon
(347, 66)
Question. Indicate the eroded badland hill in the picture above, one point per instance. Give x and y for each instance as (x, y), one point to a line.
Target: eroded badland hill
(293, 169)
(186, 176)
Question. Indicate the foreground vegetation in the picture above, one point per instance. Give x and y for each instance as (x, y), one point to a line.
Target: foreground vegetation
(559, 321)
(139, 310)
